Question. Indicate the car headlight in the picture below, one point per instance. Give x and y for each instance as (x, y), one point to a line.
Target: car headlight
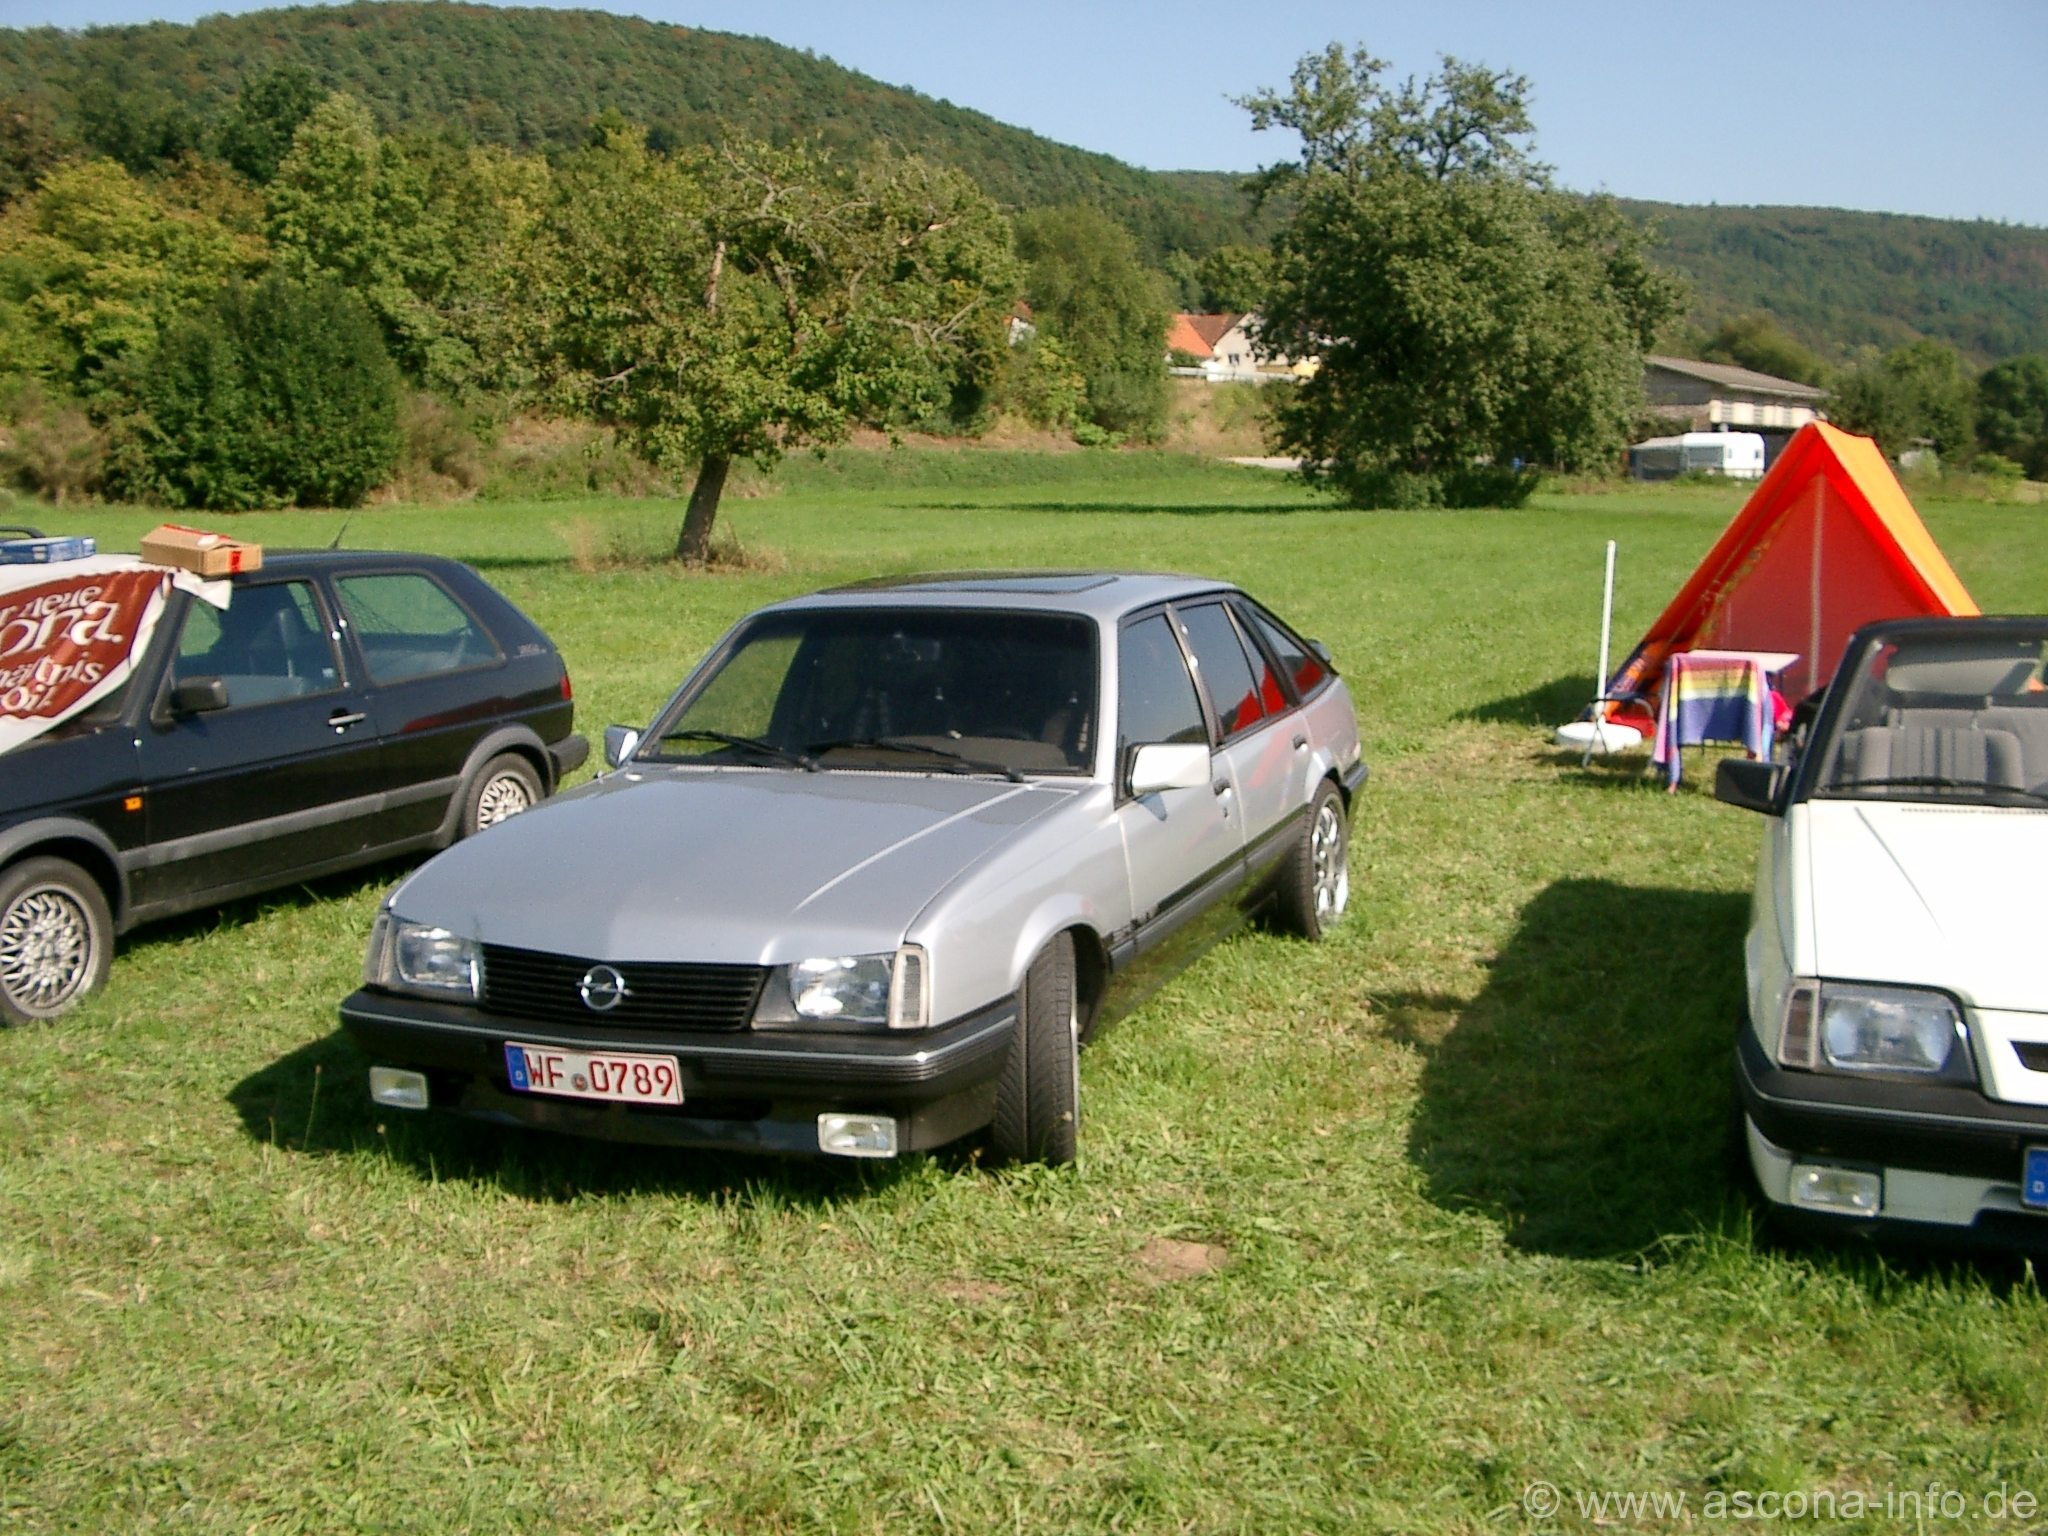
(1888, 1031)
(418, 957)
(890, 990)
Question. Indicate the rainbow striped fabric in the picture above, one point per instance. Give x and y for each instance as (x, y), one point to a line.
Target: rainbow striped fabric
(1711, 697)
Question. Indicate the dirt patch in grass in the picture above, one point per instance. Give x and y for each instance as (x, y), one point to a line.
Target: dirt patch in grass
(1164, 1260)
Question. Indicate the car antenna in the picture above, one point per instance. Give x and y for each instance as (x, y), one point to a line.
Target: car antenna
(341, 530)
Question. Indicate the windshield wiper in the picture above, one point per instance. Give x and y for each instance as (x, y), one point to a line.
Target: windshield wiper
(801, 760)
(1933, 781)
(957, 761)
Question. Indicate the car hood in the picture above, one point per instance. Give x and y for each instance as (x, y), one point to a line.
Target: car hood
(1930, 895)
(736, 866)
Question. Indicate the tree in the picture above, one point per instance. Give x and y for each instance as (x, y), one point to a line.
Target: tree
(1090, 292)
(94, 264)
(742, 302)
(31, 143)
(1232, 279)
(2012, 412)
(1470, 321)
(1916, 394)
(256, 133)
(280, 393)
(1756, 341)
(422, 228)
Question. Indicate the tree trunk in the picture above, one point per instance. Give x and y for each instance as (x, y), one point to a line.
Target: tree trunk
(693, 544)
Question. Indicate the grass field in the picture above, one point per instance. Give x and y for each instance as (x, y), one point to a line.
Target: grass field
(1371, 1235)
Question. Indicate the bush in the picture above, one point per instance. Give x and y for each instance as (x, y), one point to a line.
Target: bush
(279, 394)
(49, 445)
(1129, 402)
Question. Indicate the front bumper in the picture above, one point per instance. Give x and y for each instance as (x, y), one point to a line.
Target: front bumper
(1949, 1158)
(742, 1090)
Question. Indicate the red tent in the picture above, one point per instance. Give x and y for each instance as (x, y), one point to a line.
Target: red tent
(1827, 542)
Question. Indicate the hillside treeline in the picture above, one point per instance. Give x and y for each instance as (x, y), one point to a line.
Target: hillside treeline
(301, 306)
(1844, 285)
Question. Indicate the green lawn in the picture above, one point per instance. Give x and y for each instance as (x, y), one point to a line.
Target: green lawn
(1371, 1235)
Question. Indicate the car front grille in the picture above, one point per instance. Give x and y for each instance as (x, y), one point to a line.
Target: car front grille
(546, 989)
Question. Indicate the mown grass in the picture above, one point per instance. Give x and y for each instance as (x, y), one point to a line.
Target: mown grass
(1369, 1235)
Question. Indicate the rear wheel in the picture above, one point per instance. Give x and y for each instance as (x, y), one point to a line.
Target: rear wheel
(56, 939)
(1038, 1096)
(507, 786)
(1315, 880)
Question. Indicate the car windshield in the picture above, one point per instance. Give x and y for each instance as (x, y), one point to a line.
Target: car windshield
(1957, 714)
(907, 690)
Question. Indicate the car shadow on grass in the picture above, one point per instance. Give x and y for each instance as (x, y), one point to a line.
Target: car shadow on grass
(1583, 1096)
(313, 1102)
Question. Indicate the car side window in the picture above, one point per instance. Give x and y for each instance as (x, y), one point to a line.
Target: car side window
(1301, 664)
(271, 642)
(1240, 698)
(408, 626)
(1156, 699)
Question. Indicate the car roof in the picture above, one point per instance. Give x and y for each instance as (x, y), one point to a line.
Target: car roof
(1098, 594)
(305, 562)
(1954, 624)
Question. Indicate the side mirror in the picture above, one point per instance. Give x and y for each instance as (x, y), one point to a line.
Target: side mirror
(1323, 651)
(619, 742)
(199, 696)
(1751, 784)
(1169, 765)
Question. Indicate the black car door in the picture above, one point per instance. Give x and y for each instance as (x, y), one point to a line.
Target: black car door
(438, 681)
(279, 782)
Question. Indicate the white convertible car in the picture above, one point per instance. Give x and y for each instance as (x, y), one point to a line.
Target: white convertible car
(1894, 1068)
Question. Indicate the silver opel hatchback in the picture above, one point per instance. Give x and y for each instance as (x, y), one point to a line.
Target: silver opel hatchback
(865, 883)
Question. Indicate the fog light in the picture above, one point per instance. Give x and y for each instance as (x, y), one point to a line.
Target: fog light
(399, 1089)
(857, 1135)
(1849, 1191)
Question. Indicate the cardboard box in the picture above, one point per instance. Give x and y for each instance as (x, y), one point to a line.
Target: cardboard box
(45, 551)
(194, 549)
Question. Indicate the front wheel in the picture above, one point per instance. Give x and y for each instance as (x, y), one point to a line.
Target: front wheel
(1038, 1096)
(1315, 881)
(507, 786)
(56, 939)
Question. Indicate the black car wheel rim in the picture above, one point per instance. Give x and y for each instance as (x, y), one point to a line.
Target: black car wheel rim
(46, 949)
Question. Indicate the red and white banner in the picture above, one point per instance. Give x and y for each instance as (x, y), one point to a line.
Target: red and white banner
(70, 633)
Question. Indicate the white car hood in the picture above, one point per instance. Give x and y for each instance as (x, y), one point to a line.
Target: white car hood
(1942, 896)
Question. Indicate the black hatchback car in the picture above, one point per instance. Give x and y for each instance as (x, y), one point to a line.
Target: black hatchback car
(343, 708)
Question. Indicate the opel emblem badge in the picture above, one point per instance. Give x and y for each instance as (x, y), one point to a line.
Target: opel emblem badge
(602, 989)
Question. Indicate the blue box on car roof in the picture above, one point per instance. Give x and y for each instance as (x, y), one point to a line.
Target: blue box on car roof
(45, 551)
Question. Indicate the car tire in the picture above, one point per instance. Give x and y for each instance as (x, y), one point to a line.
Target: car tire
(1315, 880)
(56, 939)
(1038, 1096)
(506, 786)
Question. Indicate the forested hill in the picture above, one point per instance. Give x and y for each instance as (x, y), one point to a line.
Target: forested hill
(1835, 280)
(1840, 281)
(536, 78)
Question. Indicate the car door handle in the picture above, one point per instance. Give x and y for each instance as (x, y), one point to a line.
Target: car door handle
(341, 720)
(1301, 743)
(1222, 788)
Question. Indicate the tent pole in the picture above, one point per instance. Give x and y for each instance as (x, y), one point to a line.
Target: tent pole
(1606, 620)
(1599, 736)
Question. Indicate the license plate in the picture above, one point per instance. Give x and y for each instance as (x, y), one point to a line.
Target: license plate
(614, 1076)
(2034, 1179)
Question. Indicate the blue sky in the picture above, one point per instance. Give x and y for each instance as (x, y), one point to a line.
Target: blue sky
(1901, 106)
